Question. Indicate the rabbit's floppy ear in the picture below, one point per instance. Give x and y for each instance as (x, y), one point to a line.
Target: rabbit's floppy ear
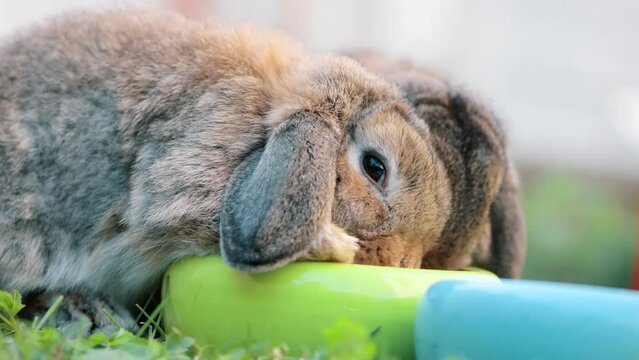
(489, 187)
(508, 234)
(279, 198)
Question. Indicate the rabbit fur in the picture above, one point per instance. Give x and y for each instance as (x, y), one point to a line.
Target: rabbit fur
(129, 141)
(486, 221)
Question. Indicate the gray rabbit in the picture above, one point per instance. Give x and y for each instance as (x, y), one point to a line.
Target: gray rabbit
(130, 141)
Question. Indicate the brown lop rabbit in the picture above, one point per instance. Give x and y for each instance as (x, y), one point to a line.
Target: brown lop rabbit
(130, 141)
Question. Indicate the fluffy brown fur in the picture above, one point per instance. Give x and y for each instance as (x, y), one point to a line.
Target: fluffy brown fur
(130, 141)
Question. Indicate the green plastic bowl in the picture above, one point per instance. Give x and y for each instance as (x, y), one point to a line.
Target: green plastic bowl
(222, 307)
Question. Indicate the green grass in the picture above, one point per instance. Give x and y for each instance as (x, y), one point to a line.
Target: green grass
(38, 339)
(578, 231)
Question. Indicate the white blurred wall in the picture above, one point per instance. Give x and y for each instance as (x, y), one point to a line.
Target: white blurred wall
(564, 76)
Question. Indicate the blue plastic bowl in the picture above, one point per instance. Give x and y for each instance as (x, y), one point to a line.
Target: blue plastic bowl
(526, 320)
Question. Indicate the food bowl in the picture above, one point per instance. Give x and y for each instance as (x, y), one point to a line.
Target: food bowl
(527, 320)
(222, 307)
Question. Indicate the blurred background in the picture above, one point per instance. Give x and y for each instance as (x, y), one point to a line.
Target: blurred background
(563, 76)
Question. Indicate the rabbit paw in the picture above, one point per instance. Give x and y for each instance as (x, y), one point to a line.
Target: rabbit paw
(88, 311)
(334, 244)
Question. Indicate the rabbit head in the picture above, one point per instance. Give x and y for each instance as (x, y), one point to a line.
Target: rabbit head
(485, 226)
(345, 150)
(419, 176)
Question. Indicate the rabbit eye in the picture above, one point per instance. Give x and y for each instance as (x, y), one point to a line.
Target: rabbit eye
(374, 168)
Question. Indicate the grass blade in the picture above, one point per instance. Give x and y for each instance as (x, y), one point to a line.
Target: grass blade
(112, 318)
(50, 311)
(153, 315)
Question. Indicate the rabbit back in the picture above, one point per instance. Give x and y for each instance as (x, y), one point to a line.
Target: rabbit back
(118, 133)
(61, 162)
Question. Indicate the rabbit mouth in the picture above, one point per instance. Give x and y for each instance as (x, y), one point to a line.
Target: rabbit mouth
(391, 250)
